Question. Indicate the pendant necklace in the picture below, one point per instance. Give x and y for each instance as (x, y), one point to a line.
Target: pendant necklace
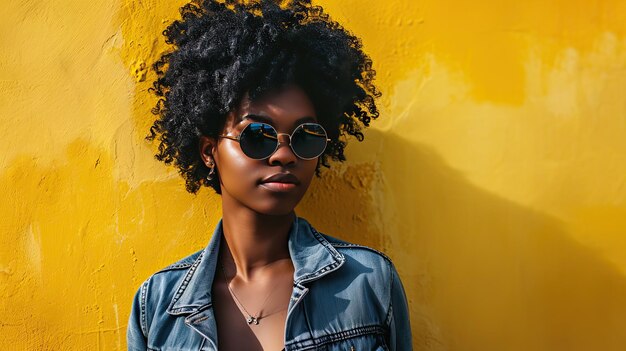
(251, 319)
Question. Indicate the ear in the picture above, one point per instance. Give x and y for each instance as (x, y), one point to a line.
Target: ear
(207, 148)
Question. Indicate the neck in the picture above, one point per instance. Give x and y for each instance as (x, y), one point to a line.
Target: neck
(254, 240)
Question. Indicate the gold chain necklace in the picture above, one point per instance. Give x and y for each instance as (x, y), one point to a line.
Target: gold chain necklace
(251, 319)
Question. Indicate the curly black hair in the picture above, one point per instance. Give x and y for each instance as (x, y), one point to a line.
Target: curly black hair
(223, 50)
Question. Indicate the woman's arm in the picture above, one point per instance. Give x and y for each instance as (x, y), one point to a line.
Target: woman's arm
(398, 319)
(135, 334)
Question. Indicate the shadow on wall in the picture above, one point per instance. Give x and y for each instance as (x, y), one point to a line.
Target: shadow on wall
(481, 272)
(339, 203)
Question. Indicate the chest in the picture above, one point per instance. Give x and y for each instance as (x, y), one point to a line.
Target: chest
(252, 321)
(318, 319)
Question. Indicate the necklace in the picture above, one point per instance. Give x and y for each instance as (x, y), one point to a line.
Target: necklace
(251, 319)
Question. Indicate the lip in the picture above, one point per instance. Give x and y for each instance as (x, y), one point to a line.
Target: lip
(280, 182)
(285, 178)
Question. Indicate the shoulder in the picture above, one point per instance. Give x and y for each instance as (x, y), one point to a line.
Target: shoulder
(177, 269)
(162, 284)
(363, 261)
(366, 274)
(358, 252)
(346, 247)
(182, 264)
(157, 291)
(352, 253)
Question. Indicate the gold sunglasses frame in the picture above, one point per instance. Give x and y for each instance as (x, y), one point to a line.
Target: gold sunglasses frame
(289, 136)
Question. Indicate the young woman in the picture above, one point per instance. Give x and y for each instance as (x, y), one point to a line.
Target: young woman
(254, 98)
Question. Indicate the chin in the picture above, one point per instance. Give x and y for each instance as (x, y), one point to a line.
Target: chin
(277, 203)
(276, 206)
(275, 210)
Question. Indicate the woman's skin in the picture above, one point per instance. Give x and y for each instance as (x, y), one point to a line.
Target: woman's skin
(256, 220)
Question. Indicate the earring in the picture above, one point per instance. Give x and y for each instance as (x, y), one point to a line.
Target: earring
(212, 171)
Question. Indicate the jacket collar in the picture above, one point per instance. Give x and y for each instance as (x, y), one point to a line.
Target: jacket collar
(312, 255)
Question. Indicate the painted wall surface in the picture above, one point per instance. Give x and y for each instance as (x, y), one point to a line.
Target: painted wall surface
(495, 177)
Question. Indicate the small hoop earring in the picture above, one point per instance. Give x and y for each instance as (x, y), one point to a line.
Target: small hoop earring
(212, 171)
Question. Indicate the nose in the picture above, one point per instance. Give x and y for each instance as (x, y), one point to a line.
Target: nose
(283, 155)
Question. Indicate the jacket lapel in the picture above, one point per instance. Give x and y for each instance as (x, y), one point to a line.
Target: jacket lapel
(203, 322)
(313, 257)
(193, 297)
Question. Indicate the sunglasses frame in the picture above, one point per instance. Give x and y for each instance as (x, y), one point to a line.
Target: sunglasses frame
(278, 142)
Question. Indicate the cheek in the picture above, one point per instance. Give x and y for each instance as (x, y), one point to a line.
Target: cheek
(233, 164)
(309, 170)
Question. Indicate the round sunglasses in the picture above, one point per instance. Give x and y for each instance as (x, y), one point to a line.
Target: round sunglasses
(260, 140)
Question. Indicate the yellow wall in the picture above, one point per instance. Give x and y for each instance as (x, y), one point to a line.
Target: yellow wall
(495, 177)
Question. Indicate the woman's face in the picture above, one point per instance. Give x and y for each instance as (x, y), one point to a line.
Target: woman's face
(245, 181)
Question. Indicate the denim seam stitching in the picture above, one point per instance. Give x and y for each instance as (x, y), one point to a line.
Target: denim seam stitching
(184, 284)
(328, 268)
(326, 243)
(142, 304)
(357, 246)
(340, 336)
(181, 265)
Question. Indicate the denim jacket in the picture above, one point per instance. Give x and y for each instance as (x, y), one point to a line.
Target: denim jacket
(345, 297)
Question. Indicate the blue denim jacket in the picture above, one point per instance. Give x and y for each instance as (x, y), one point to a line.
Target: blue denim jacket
(345, 297)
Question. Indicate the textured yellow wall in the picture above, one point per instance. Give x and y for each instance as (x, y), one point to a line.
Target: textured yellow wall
(495, 177)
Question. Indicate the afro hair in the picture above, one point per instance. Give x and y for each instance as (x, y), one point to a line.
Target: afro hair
(223, 50)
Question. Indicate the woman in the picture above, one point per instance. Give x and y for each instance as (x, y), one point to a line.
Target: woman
(254, 98)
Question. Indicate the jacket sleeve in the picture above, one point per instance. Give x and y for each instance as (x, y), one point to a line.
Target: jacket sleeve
(398, 316)
(136, 331)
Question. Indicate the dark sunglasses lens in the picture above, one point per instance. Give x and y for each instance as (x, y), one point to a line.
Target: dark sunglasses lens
(309, 140)
(258, 140)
